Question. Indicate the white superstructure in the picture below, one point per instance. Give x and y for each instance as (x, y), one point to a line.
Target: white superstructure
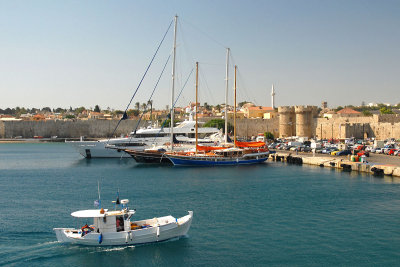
(143, 138)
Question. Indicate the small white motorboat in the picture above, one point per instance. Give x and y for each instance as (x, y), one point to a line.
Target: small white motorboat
(115, 227)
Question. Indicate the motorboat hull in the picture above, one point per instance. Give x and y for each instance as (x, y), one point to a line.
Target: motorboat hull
(165, 231)
(149, 156)
(98, 149)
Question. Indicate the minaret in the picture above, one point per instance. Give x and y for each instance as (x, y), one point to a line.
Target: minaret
(273, 97)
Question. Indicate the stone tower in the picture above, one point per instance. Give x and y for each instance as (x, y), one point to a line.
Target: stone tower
(304, 116)
(287, 121)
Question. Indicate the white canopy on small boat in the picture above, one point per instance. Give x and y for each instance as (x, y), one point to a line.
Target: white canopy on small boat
(88, 214)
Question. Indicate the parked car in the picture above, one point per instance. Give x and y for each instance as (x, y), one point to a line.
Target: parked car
(334, 152)
(379, 150)
(363, 153)
(343, 152)
(391, 151)
(327, 150)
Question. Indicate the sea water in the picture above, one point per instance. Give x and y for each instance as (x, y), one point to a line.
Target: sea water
(269, 214)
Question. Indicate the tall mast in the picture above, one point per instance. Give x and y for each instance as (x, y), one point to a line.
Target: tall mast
(197, 86)
(226, 95)
(173, 84)
(234, 114)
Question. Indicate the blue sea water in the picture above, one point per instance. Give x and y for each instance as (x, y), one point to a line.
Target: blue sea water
(267, 215)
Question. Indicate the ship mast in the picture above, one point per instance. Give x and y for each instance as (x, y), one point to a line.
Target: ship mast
(173, 84)
(234, 114)
(197, 86)
(226, 95)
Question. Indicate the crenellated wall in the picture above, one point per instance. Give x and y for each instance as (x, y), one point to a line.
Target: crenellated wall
(304, 121)
(287, 121)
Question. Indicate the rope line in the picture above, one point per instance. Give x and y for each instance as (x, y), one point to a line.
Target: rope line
(169, 115)
(152, 93)
(140, 83)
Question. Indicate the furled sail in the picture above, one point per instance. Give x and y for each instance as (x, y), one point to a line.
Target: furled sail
(250, 144)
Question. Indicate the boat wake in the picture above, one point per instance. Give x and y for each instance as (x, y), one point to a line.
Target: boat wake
(23, 254)
(109, 249)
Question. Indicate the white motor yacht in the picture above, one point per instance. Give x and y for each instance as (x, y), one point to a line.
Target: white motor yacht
(143, 138)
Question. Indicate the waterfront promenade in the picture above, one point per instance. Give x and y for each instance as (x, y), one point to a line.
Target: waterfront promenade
(375, 164)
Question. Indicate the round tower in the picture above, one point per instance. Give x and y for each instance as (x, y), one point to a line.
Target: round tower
(304, 115)
(287, 121)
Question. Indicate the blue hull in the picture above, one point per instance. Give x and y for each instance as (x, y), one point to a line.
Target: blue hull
(180, 161)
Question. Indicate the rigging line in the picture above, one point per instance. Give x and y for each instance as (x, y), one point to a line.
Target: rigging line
(169, 115)
(207, 35)
(152, 93)
(243, 91)
(182, 89)
(208, 92)
(189, 57)
(140, 83)
(246, 93)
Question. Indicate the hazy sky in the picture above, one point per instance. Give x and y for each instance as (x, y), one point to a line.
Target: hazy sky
(83, 53)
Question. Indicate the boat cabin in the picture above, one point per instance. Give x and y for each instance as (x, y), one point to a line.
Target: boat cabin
(233, 152)
(105, 221)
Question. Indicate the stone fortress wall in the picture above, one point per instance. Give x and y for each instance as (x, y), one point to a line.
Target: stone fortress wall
(65, 129)
(378, 126)
(292, 121)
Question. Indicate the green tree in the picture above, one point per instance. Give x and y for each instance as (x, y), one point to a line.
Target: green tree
(59, 110)
(366, 112)
(79, 110)
(168, 122)
(70, 116)
(219, 124)
(132, 112)
(137, 105)
(45, 109)
(386, 110)
(269, 136)
(338, 108)
(96, 108)
(242, 103)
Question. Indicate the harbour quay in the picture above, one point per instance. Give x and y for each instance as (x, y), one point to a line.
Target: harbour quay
(377, 165)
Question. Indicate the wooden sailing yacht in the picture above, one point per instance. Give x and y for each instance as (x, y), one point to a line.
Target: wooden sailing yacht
(243, 153)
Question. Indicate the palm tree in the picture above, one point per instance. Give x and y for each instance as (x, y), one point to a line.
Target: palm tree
(144, 106)
(150, 102)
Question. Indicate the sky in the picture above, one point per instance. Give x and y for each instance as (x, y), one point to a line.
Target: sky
(95, 52)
